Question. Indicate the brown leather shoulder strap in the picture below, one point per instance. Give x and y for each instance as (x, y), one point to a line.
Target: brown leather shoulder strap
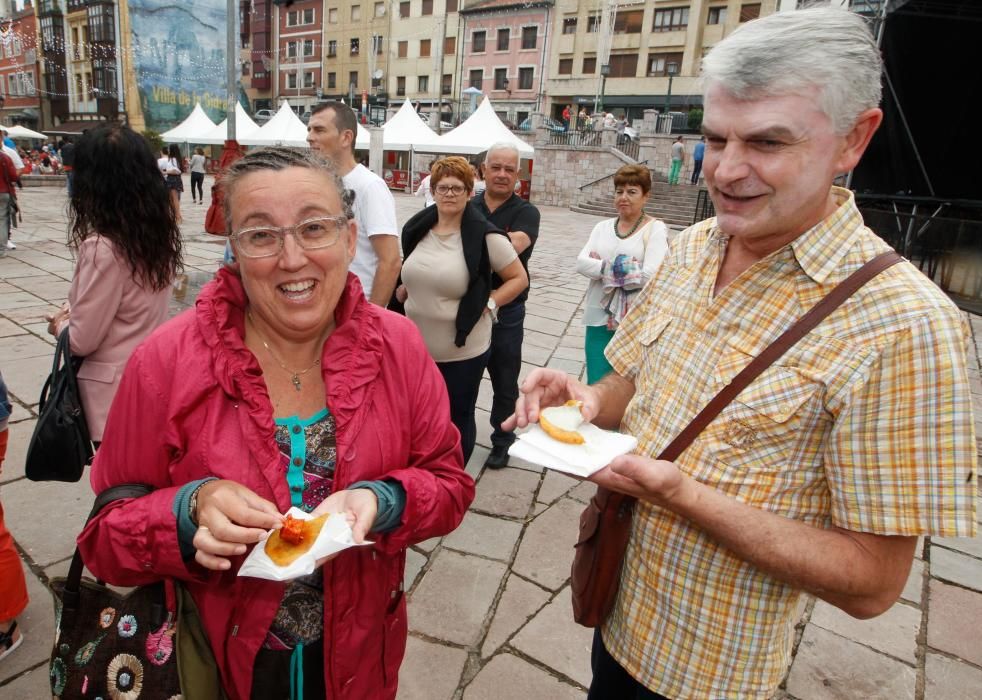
(775, 350)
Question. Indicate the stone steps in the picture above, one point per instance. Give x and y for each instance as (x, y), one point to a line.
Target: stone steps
(673, 204)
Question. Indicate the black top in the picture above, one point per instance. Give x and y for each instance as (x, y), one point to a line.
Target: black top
(473, 228)
(515, 214)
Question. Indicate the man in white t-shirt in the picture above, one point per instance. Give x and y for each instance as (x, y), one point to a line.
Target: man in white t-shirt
(331, 132)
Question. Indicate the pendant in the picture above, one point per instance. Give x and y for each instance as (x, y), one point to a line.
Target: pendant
(296, 382)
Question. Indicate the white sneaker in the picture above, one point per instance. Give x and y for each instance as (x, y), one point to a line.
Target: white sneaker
(11, 246)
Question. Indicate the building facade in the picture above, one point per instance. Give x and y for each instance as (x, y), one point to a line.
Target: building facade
(423, 52)
(356, 36)
(504, 51)
(297, 59)
(256, 36)
(650, 52)
(19, 94)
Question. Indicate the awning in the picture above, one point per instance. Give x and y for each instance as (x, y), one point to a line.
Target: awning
(74, 128)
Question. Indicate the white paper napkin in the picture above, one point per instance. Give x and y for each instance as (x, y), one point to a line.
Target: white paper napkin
(334, 537)
(596, 452)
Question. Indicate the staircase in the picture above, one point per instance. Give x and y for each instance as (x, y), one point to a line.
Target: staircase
(675, 205)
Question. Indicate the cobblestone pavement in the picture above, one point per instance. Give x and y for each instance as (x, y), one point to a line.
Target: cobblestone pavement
(490, 613)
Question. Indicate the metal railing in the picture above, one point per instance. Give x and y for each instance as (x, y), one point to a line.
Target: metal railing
(574, 138)
(704, 207)
(629, 147)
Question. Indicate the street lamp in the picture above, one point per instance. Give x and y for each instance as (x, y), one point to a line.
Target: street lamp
(604, 72)
(671, 68)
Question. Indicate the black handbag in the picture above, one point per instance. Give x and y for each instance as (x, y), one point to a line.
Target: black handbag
(146, 643)
(60, 446)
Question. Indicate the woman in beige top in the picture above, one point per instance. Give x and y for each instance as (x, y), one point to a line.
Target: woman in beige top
(450, 252)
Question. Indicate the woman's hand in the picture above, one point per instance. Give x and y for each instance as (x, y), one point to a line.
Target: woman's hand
(56, 318)
(359, 506)
(595, 255)
(550, 387)
(229, 517)
(402, 294)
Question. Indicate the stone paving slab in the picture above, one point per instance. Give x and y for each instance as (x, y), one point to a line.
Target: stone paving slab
(953, 626)
(966, 545)
(914, 588)
(508, 676)
(489, 537)
(27, 505)
(556, 641)
(519, 602)
(949, 679)
(17, 442)
(894, 632)
(546, 552)
(508, 492)
(830, 667)
(956, 568)
(430, 671)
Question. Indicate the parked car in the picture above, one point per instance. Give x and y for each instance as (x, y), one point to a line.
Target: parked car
(263, 115)
(548, 122)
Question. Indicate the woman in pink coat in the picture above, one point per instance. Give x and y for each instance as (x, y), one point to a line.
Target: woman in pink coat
(128, 247)
(282, 387)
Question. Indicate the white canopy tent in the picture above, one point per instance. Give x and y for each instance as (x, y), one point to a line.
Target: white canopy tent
(406, 131)
(479, 132)
(286, 129)
(22, 132)
(197, 123)
(244, 126)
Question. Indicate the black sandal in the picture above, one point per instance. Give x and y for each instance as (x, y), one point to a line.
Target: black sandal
(7, 643)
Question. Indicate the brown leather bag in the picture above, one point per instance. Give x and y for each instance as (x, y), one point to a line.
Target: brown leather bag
(605, 525)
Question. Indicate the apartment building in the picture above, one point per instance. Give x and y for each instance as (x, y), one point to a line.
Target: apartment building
(19, 97)
(298, 54)
(629, 57)
(505, 45)
(423, 55)
(356, 42)
(256, 24)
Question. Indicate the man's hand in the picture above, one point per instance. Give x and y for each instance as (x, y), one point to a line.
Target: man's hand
(549, 387)
(359, 506)
(652, 480)
(229, 516)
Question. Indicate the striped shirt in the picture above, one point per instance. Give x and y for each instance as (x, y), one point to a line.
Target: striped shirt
(866, 424)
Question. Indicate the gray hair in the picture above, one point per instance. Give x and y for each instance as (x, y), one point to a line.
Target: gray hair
(503, 146)
(274, 158)
(789, 52)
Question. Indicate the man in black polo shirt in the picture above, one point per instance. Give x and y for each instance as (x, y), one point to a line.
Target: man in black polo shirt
(520, 220)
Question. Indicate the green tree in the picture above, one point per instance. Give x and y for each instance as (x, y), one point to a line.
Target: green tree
(695, 119)
(153, 139)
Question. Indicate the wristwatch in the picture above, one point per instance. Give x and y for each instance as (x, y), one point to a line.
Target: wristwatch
(493, 308)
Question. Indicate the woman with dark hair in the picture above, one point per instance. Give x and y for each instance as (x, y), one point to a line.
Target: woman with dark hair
(128, 248)
(198, 175)
(172, 170)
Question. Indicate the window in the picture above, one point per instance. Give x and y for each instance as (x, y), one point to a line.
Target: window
(291, 49)
(379, 42)
(504, 38)
(297, 17)
(332, 80)
(593, 24)
(477, 41)
(521, 117)
(102, 22)
(332, 15)
(525, 76)
(404, 12)
(403, 49)
(423, 83)
(424, 48)
(332, 48)
(623, 65)
(380, 9)
(308, 16)
(308, 79)
(401, 84)
(500, 78)
(308, 47)
(291, 80)
(569, 25)
(671, 19)
(628, 22)
(449, 46)
(664, 64)
(589, 65)
(477, 78)
(75, 51)
(717, 15)
(353, 79)
(446, 84)
(749, 12)
(565, 66)
(356, 13)
(451, 6)
(355, 45)
(530, 35)
(427, 8)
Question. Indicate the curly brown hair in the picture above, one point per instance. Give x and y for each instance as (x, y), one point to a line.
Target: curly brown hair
(118, 193)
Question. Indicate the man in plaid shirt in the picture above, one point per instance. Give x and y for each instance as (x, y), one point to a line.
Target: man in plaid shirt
(823, 472)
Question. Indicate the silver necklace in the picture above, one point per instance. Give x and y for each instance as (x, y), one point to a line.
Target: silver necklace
(294, 374)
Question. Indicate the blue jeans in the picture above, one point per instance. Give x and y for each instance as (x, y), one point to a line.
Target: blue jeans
(504, 364)
(463, 380)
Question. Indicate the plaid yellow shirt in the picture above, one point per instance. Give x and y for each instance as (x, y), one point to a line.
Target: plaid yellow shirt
(865, 424)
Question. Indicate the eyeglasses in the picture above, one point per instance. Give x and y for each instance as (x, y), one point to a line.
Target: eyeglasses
(450, 189)
(312, 234)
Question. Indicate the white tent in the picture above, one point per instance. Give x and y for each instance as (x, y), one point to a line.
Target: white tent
(480, 131)
(407, 131)
(196, 124)
(244, 126)
(286, 129)
(22, 132)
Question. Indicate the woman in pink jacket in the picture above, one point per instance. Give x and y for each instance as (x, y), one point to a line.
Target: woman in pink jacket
(282, 387)
(128, 249)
